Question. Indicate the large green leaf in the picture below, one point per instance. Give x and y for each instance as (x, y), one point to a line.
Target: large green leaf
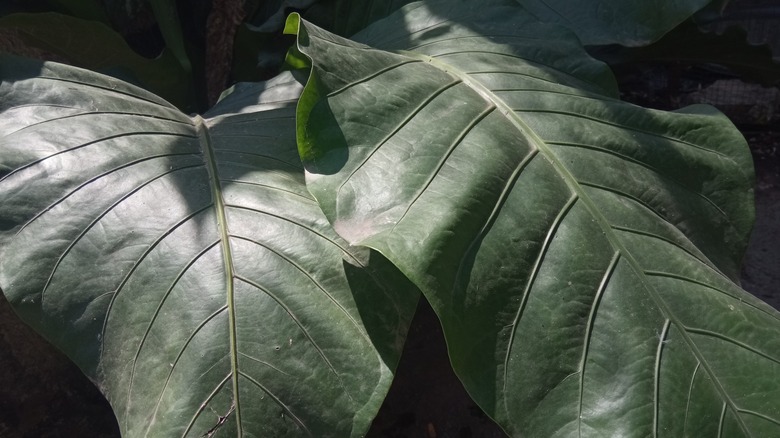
(581, 252)
(626, 22)
(347, 17)
(181, 263)
(595, 22)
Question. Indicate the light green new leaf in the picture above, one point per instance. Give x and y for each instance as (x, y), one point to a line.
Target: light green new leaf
(580, 252)
(181, 263)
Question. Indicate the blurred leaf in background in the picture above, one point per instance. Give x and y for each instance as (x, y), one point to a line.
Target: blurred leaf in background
(95, 46)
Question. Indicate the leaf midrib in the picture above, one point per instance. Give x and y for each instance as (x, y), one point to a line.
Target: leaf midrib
(602, 222)
(209, 156)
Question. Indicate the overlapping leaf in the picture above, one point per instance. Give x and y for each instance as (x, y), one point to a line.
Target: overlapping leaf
(170, 27)
(690, 45)
(182, 264)
(94, 45)
(347, 17)
(581, 252)
(630, 23)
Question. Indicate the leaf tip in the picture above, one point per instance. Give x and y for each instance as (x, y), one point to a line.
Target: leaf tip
(293, 24)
